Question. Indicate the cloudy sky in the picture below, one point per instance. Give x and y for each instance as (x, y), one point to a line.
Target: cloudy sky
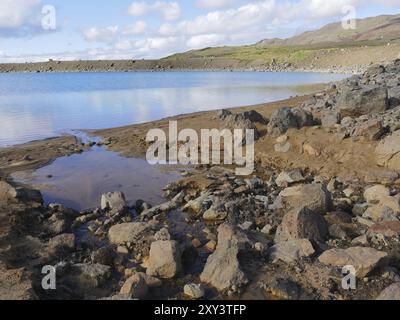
(30, 30)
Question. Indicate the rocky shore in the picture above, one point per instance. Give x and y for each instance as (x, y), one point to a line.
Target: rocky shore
(325, 194)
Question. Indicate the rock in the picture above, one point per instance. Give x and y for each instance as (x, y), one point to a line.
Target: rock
(287, 178)
(196, 243)
(223, 114)
(281, 121)
(254, 116)
(216, 212)
(359, 209)
(141, 206)
(380, 212)
(200, 204)
(363, 259)
(336, 232)
(371, 130)
(259, 247)
(222, 269)
(122, 250)
(104, 256)
(267, 229)
(330, 119)
(313, 196)
(389, 229)
(62, 243)
(391, 293)
(90, 275)
(282, 147)
(363, 101)
(376, 193)
(285, 118)
(135, 287)
(211, 246)
(291, 251)
(284, 289)
(388, 151)
(113, 200)
(127, 232)
(302, 224)
(194, 291)
(165, 259)
(162, 235)
(361, 240)
(282, 139)
(152, 282)
(311, 150)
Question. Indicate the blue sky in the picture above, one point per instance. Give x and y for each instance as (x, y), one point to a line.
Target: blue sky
(126, 29)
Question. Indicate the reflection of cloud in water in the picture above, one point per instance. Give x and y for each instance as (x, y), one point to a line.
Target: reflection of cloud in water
(58, 103)
(21, 127)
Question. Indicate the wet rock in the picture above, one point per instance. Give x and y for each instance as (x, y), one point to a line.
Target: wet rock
(363, 259)
(194, 291)
(287, 178)
(291, 251)
(363, 101)
(165, 259)
(302, 224)
(113, 200)
(388, 151)
(222, 269)
(313, 196)
(135, 287)
(390, 293)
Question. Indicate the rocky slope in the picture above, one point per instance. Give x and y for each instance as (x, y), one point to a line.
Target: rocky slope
(325, 194)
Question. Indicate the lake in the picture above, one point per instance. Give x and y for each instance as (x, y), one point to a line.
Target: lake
(37, 106)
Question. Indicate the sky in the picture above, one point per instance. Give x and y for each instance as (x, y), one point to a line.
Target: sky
(38, 30)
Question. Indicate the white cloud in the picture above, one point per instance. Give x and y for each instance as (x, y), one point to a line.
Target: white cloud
(169, 10)
(15, 13)
(205, 40)
(214, 3)
(107, 34)
(137, 28)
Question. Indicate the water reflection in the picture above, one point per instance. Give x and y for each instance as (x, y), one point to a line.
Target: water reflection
(36, 106)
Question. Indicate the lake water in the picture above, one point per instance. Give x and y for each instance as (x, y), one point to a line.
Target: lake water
(37, 106)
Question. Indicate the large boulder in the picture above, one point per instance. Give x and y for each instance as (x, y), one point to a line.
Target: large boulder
(128, 232)
(313, 196)
(165, 259)
(361, 101)
(388, 151)
(285, 118)
(222, 269)
(302, 224)
(113, 200)
(363, 259)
